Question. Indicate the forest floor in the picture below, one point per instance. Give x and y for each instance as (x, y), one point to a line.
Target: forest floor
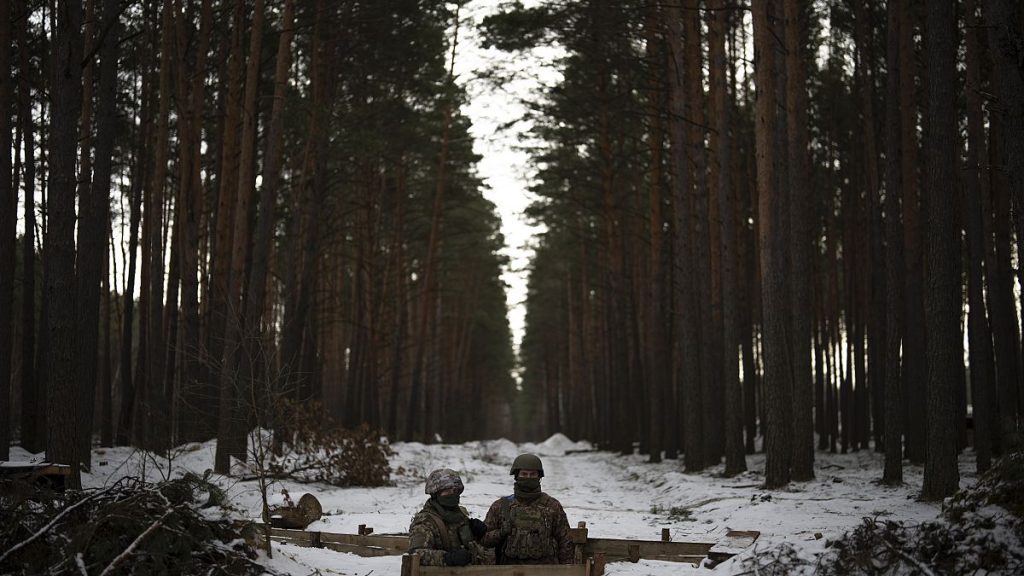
(617, 496)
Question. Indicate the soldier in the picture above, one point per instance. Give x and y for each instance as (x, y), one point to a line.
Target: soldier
(528, 527)
(442, 533)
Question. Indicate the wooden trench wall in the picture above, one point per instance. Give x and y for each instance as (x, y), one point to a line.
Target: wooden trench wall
(591, 553)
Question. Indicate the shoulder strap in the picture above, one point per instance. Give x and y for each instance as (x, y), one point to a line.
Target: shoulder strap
(439, 524)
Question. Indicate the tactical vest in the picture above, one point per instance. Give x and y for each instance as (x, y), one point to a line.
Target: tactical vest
(465, 535)
(530, 537)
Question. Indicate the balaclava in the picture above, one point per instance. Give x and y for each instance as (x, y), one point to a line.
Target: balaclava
(527, 489)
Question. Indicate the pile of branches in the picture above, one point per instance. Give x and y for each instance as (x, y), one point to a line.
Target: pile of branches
(982, 531)
(781, 560)
(130, 527)
(316, 449)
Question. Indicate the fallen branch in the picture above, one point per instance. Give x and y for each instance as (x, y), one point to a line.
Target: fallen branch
(51, 523)
(921, 566)
(131, 547)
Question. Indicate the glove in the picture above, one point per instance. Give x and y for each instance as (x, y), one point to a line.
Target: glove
(460, 557)
(477, 527)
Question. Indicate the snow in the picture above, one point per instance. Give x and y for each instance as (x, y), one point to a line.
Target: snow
(617, 496)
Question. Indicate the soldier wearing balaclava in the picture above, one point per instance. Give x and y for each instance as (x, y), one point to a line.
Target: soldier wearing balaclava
(442, 533)
(528, 526)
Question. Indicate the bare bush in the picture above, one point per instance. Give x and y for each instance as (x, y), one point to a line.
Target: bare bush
(316, 449)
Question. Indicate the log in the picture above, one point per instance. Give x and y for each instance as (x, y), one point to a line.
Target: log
(285, 511)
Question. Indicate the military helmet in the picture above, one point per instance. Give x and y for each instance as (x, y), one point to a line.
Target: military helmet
(442, 479)
(527, 462)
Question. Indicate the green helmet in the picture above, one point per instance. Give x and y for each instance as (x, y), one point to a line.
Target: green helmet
(527, 462)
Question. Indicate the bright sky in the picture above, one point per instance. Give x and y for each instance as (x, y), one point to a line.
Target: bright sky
(505, 165)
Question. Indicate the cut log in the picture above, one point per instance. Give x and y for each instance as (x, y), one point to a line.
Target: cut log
(287, 512)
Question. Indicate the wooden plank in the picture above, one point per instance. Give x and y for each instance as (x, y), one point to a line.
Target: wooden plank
(358, 550)
(733, 543)
(395, 545)
(618, 550)
(510, 570)
(296, 537)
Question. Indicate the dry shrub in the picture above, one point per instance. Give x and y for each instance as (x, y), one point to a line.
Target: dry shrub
(316, 449)
(132, 527)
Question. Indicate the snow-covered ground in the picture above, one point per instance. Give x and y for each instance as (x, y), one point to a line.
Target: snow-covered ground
(617, 496)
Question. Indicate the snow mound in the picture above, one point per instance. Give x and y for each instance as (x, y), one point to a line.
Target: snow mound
(557, 445)
(500, 451)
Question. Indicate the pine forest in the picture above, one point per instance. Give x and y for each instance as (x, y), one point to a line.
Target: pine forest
(762, 227)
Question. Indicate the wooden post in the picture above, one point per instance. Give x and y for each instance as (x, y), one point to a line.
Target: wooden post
(634, 553)
(410, 565)
(666, 535)
(599, 562)
(579, 540)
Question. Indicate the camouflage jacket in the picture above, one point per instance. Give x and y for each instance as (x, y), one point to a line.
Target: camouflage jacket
(427, 539)
(534, 532)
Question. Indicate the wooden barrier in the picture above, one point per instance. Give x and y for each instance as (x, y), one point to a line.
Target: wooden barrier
(411, 567)
(596, 550)
(619, 550)
(46, 474)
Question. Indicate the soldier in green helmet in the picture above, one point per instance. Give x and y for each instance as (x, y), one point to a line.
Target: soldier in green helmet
(528, 527)
(442, 533)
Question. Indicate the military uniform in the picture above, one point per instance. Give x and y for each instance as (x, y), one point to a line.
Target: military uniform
(534, 531)
(431, 536)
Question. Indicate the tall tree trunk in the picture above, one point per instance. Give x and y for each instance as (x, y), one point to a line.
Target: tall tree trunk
(130, 379)
(59, 240)
(695, 120)
(156, 403)
(94, 208)
(656, 345)
(427, 296)
(690, 389)
(190, 204)
(721, 169)
(1006, 337)
(915, 366)
(893, 473)
(264, 235)
(8, 220)
(235, 391)
(105, 377)
(777, 381)
(942, 296)
(30, 386)
(801, 239)
(224, 230)
(874, 274)
(982, 357)
(1007, 45)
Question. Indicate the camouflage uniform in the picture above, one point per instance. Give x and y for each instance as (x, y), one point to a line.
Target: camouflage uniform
(427, 539)
(534, 532)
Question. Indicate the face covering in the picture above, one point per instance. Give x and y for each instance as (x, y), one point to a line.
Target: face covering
(450, 502)
(527, 489)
